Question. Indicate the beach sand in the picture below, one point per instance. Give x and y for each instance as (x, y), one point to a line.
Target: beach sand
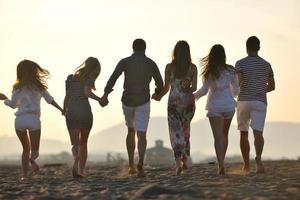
(281, 181)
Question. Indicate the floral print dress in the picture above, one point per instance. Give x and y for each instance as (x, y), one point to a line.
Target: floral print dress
(181, 109)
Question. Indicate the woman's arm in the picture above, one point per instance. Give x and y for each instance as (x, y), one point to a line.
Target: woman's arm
(53, 103)
(14, 99)
(66, 101)
(167, 85)
(202, 91)
(88, 93)
(235, 86)
(194, 79)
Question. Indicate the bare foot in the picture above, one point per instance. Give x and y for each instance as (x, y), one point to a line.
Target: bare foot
(178, 171)
(140, 172)
(259, 166)
(35, 166)
(221, 171)
(246, 169)
(76, 175)
(184, 166)
(23, 177)
(131, 170)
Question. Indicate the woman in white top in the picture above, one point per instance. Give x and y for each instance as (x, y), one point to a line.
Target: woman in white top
(220, 81)
(26, 96)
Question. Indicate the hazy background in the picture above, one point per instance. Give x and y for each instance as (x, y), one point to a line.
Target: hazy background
(60, 35)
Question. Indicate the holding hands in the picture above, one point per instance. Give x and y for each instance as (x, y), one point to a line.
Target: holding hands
(103, 100)
(156, 97)
(2, 96)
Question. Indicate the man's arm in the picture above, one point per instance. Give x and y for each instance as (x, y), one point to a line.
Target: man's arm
(271, 81)
(271, 84)
(113, 78)
(158, 80)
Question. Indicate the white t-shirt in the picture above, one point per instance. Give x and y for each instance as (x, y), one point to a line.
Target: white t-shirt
(28, 100)
(221, 92)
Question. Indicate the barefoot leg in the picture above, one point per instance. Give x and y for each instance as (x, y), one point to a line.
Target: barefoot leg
(74, 136)
(245, 149)
(142, 145)
(130, 145)
(216, 126)
(84, 134)
(24, 139)
(259, 145)
(35, 146)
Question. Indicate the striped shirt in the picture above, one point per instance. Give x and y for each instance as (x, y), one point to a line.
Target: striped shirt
(255, 73)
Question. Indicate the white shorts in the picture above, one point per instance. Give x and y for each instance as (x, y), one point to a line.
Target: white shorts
(137, 117)
(28, 122)
(253, 113)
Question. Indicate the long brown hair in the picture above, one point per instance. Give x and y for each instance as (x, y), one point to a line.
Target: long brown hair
(214, 63)
(30, 74)
(90, 68)
(181, 59)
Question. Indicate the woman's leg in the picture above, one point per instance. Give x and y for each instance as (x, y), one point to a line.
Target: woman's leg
(74, 136)
(23, 137)
(35, 146)
(84, 135)
(186, 131)
(226, 126)
(216, 126)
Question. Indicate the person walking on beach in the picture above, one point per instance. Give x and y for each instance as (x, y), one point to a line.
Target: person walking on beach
(30, 86)
(220, 81)
(256, 79)
(181, 78)
(78, 112)
(138, 72)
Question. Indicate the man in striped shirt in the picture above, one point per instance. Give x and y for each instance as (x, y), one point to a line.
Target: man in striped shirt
(256, 79)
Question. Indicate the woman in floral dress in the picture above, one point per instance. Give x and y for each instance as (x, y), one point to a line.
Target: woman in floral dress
(181, 77)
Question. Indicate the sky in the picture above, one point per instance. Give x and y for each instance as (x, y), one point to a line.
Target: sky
(61, 34)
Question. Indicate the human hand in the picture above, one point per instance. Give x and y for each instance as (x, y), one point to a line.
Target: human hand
(156, 97)
(103, 101)
(2, 96)
(63, 112)
(196, 96)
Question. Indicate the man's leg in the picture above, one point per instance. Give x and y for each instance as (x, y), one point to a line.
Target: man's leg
(259, 145)
(245, 149)
(142, 145)
(130, 144)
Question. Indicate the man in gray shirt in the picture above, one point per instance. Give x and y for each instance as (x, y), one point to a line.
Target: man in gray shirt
(138, 71)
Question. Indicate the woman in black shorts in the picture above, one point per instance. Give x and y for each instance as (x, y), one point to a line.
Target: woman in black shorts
(78, 111)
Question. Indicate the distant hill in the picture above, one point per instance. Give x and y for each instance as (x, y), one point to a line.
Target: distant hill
(12, 146)
(282, 139)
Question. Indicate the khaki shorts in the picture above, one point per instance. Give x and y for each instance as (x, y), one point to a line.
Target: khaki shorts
(251, 113)
(137, 117)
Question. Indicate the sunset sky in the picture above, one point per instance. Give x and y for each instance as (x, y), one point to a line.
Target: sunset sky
(60, 35)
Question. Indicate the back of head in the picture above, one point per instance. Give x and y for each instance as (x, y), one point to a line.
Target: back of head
(181, 59)
(31, 74)
(253, 44)
(214, 62)
(89, 69)
(139, 45)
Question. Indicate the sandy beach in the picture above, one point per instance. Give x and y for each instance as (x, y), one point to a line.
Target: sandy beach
(281, 181)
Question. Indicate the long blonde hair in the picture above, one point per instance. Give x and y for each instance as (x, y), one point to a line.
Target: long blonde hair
(85, 70)
(29, 74)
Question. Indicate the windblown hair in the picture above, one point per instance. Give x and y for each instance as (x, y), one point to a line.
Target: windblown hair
(90, 68)
(181, 59)
(214, 63)
(31, 74)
